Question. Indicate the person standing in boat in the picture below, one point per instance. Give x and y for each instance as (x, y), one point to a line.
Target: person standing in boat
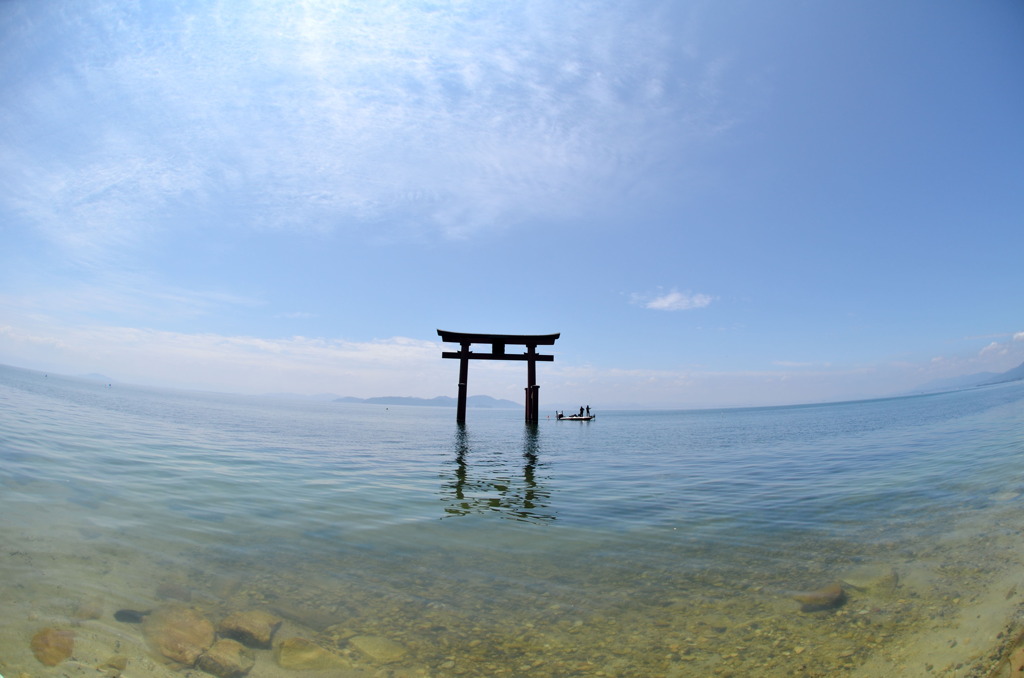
(588, 410)
(581, 410)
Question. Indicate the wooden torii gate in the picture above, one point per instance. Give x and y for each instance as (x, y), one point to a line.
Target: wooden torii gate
(498, 343)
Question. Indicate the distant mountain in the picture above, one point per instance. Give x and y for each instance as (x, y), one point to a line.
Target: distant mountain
(1016, 374)
(477, 401)
(972, 381)
(955, 383)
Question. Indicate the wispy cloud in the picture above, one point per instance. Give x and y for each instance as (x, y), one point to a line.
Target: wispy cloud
(300, 364)
(124, 296)
(382, 367)
(995, 348)
(673, 301)
(240, 363)
(327, 115)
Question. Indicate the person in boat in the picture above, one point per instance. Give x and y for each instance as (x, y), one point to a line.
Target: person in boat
(588, 410)
(581, 410)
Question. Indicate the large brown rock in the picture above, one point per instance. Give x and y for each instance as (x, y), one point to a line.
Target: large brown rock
(254, 628)
(1017, 662)
(52, 646)
(825, 598)
(227, 659)
(178, 632)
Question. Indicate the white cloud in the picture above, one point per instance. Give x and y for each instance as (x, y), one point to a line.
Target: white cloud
(676, 301)
(995, 348)
(996, 356)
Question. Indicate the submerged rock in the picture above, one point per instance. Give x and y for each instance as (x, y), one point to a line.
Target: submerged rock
(91, 608)
(227, 659)
(1017, 661)
(52, 646)
(116, 663)
(301, 654)
(178, 632)
(825, 598)
(130, 616)
(380, 650)
(254, 628)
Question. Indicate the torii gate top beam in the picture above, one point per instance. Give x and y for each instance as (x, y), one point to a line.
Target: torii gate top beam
(514, 339)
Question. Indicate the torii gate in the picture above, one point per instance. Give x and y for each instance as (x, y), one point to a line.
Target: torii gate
(498, 343)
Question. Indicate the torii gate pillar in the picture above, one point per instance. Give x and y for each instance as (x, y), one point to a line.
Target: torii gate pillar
(498, 343)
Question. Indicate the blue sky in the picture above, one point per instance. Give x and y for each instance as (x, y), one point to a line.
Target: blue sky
(716, 203)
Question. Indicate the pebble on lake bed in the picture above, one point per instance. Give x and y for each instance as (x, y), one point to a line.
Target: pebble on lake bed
(825, 598)
(91, 608)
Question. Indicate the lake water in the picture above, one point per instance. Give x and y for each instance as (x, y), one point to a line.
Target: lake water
(639, 544)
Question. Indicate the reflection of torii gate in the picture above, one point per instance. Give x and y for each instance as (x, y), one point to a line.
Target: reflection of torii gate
(498, 343)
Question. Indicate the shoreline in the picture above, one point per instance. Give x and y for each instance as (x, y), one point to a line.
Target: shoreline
(980, 642)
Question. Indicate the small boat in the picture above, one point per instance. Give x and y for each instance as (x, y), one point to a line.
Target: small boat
(574, 417)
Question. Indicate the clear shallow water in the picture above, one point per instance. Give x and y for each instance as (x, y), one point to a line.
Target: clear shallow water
(642, 543)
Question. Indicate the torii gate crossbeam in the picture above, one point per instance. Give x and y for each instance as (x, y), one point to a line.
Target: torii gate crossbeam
(498, 343)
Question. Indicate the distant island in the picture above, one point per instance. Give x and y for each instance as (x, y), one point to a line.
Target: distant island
(972, 381)
(479, 401)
